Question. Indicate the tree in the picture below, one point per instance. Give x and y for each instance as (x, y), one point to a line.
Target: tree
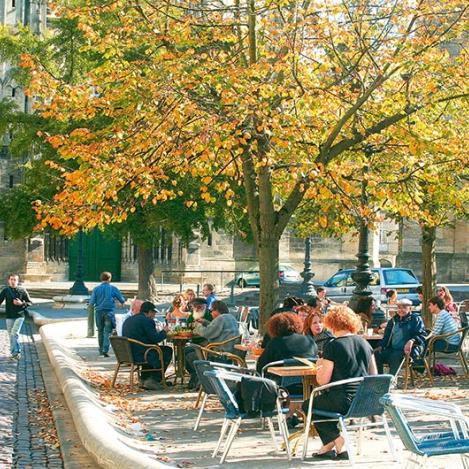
(270, 95)
(62, 56)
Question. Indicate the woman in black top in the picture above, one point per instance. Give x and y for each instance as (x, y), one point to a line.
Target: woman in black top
(286, 340)
(346, 356)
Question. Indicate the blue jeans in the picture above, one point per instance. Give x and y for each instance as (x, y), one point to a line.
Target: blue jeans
(104, 323)
(14, 327)
(442, 345)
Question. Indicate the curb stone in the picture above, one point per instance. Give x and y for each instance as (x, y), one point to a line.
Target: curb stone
(98, 437)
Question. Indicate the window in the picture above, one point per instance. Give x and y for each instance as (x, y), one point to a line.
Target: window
(11, 181)
(338, 280)
(13, 92)
(13, 3)
(399, 277)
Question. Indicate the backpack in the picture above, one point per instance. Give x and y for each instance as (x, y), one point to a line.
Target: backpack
(256, 396)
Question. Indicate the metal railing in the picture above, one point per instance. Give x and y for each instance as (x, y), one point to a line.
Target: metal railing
(205, 275)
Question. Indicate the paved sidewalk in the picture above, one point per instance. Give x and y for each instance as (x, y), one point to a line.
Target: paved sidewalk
(28, 437)
(159, 424)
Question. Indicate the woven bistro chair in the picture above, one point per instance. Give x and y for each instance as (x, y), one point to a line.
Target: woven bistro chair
(123, 352)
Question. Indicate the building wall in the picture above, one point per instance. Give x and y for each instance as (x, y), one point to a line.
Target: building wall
(452, 251)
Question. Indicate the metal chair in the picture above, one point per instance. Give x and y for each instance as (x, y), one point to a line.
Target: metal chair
(365, 404)
(206, 387)
(452, 438)
(207, 354)
(123, 352)
(234, 415)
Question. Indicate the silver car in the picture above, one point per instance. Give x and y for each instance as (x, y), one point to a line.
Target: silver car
(250, 277)
(341, 285)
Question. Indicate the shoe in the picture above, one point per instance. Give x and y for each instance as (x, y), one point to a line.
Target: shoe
(327, 455)
(151, 385)
(15, 356)
(342, 456)
(292, 422)
(106, 355)
(192, 384)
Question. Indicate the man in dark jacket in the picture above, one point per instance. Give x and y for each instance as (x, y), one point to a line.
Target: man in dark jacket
(16, 301)
(404, 333)
(141, 327)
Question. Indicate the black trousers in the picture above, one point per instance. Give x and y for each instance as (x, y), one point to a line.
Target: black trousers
(154, 362)
(333, 401)
(390, 356)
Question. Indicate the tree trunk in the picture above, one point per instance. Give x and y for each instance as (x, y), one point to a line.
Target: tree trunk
(428, 270)
(268, 255)
(146, 279)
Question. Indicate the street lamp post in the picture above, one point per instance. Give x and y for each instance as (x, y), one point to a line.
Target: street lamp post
(78, 287)
(362, 275)
(307, 287)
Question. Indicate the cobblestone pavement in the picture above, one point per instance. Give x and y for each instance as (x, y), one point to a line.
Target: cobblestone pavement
(27, 434)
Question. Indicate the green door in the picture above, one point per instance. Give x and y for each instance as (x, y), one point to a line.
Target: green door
(100, 254)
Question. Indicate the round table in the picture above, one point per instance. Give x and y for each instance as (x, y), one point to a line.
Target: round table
(179, 344)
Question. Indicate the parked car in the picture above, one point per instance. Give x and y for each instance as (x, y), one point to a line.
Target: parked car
(250, 277)
(341, 285)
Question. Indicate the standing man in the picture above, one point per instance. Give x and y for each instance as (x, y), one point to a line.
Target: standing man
(103, 299)
(208, 290)
(16, 301)
(141, 327)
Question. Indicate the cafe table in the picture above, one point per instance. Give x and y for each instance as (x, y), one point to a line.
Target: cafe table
(308, 373)
(179, 344)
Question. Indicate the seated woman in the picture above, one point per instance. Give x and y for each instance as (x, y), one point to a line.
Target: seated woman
(346, 356)
(450, 305)
(178, 311)
(290, 305)
(286, 340)
(314, 327)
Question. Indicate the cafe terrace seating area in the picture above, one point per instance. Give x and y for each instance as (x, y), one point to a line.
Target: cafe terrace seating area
(205, 428)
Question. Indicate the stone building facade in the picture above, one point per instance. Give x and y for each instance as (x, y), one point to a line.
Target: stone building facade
(48, 257)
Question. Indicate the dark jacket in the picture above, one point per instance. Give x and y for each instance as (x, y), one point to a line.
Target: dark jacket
(413, 328)
(141, 328)
(13, 311)
(289, 346)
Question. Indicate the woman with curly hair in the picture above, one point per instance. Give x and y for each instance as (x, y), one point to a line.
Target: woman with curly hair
(346, 356)
(286, 341)
(314, 327)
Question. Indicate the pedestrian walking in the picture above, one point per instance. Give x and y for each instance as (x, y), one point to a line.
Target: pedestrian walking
(16, 301)
(103, 299)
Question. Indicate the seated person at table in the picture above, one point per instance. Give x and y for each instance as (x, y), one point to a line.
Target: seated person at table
(323, 299)
(134, 309)
(290, 305)
(223, 327)
(450, 305)
(189, 296)
(314, 327)
(178, 310)
(198, 310)
(346, 356)
(287, 340)
(141, 327)
(208, 290)
(404, 333)
(444, 324)
(370, 316)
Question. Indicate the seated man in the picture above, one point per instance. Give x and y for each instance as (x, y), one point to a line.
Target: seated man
(404, 333)
(444, 324)
(224, 326)
(120, 319)
(141, 327)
